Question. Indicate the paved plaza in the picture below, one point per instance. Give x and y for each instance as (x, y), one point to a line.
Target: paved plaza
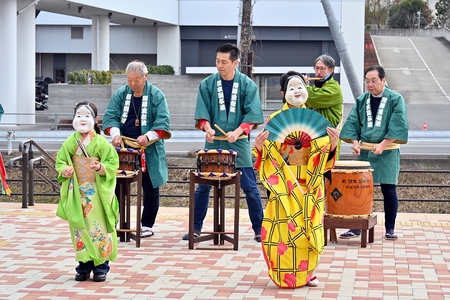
(37, 262)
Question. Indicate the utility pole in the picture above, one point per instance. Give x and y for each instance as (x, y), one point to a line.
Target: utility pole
(341, 47)
(418, 20)
(246, 38)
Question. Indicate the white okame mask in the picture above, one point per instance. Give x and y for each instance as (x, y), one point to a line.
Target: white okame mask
(296, 93)
(83, 121)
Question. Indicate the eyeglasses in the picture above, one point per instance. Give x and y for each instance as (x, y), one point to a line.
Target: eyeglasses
(373, 81)
(320, 68)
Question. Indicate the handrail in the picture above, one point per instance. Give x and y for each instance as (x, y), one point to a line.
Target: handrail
(28, 160)
(42, 175)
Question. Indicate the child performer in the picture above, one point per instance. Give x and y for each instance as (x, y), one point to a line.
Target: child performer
(87, 165)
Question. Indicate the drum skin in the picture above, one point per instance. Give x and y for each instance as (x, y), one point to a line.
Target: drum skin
(350, 192)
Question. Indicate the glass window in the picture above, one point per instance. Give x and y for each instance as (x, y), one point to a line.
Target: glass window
(76, 33)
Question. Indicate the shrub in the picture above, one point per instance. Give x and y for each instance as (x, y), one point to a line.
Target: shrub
(104, 77)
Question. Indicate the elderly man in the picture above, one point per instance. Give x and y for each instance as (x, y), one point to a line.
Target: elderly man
(139, 110)
(376, 125)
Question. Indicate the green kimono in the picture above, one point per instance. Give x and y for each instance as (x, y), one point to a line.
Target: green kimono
(245, 107)
(391, 121)
(327, 101)
(154, 116)
(87, 200)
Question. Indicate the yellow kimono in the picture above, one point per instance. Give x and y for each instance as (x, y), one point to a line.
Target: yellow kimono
(292, 230)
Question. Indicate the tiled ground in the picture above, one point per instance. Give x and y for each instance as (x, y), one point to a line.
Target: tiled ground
(37, 262)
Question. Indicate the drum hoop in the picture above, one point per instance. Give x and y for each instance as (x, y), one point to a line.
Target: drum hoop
(127, 150)
(126, 174)
(352, 166)
(214, 151)
(350, 170)
(365, 216)
(215, 175)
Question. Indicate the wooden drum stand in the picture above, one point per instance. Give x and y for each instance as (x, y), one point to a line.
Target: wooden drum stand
(124, 231)
(219, 235)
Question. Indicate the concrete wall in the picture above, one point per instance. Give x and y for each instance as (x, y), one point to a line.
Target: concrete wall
(180, 92)
(63, 97)
(433, 32)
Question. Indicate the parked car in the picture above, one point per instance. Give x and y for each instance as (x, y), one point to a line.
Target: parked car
(42, 84)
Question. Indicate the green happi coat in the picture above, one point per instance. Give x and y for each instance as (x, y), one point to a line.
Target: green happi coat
(154, 116)
(326, 100)
(245, 107)
(391, 121)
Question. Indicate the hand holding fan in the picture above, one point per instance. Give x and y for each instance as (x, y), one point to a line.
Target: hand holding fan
(297, 127)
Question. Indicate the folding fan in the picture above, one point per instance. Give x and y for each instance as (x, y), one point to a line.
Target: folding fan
(297, 126)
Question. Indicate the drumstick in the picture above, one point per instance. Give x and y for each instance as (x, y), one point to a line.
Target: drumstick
(220, 129)
(315, 78)
(225, 134)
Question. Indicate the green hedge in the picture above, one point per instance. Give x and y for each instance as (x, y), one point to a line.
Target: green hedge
(104, 77)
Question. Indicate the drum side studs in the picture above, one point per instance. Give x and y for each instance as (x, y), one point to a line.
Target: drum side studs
(336, 194)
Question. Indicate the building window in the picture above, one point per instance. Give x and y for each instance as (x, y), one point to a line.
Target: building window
(76, 33)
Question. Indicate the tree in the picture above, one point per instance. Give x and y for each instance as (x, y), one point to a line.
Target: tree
(246, 65)
(404, 14)
(442, 12)
(377, 11)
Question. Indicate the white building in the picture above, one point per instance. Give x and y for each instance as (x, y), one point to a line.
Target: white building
(107, 34)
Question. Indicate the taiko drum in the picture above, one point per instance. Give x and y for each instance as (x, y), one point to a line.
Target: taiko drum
(350, 192)
(217, 164)
(128, 159)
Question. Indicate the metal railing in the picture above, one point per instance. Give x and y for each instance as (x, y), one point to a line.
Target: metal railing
(28, 181)
(28, 161)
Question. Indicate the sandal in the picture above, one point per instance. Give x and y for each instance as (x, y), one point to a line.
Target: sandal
(313, 282)
(390, 236)
(146, 233)
(349, 235)
(186, 236)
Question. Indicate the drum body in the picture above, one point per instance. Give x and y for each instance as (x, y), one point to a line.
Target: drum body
(350, 193)
(128, 160)
(216, 164)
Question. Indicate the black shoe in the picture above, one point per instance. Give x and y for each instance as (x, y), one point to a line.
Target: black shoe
(82, 276)
(257, 238)
(186, 236)
(99, 277)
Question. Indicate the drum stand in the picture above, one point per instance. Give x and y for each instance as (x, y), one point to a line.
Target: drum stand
(355, 223)
(124, 231)
(219, 235)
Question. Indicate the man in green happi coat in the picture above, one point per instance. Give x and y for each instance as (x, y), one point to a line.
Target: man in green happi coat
(376, 125)
(230, 100)
(139, 110)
